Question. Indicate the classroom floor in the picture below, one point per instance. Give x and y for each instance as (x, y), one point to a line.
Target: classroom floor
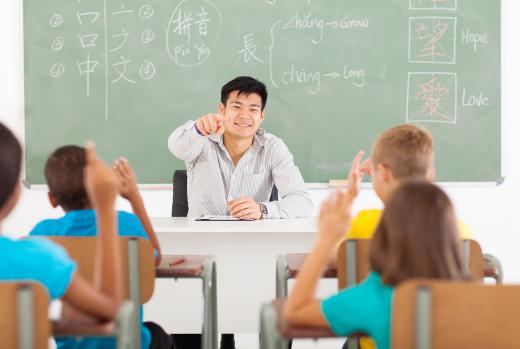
(250, 341)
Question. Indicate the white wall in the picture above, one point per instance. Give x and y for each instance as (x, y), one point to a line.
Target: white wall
(491, 211)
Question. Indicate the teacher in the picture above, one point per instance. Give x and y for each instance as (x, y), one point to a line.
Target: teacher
(232, 163)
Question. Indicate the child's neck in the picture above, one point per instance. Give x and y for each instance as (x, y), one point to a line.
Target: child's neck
(86, 207)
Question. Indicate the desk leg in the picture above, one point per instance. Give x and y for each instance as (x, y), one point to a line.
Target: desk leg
(209, 289)
(269, 336)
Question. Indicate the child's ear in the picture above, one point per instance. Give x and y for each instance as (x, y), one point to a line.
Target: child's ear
(52, 200)
(386, 174)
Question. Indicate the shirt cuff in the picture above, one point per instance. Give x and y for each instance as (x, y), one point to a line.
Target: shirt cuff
(190, 126)
(196, 129)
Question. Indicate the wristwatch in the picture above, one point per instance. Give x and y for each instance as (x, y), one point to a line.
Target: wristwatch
(263, 210)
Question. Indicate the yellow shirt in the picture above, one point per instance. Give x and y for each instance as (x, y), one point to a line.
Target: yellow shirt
(363, 226)
(365, 223)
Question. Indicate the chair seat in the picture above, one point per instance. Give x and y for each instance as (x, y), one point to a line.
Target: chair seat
(68, 329)
(295, 263)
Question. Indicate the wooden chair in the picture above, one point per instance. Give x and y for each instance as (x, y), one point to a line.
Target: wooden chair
(353, 265)
(138, 276)
(201, 267)
(287, 267)
(454, 315)
(24, 323)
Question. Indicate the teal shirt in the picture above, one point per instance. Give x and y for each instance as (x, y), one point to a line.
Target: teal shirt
(362, 308)
(36, 259)
(83, 223)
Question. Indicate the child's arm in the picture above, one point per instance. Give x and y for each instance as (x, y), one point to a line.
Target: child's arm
(365, 168)
(301, 307)
(102, 299)
(128, 190)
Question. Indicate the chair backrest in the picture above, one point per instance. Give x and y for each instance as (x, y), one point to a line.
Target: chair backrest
(83, 249)
(353, 264)
(180, 194)
(430, 314)
(24, 322)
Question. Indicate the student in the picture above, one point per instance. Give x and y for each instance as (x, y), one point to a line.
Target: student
(416, 237)
(64, 175)
(39, 260)
(401, 153)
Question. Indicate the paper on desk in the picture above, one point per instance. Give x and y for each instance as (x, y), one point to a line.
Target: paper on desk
(208, 217)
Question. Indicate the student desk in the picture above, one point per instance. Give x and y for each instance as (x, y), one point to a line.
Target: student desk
(245, 253)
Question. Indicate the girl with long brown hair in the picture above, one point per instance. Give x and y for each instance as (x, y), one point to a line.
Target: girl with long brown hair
(417, 237)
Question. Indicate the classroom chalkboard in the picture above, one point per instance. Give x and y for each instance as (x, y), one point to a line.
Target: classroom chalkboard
(126, 73)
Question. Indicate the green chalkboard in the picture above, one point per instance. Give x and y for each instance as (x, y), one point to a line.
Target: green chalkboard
(126, 73)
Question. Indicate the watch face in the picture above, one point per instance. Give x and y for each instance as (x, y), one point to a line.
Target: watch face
(263, 209)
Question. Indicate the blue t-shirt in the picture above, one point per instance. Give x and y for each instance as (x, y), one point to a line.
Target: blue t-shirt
(362, 308)
(83, 223)
(36, 259)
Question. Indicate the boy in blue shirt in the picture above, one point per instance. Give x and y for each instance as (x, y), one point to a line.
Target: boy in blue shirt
(38, 259)
(64, 175)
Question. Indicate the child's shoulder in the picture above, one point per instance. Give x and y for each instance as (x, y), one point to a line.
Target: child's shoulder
(130, 225)
(35, 250)
(39, 259)
(127, 216)
(45, 227)
(465, 231)
(364, 224)
(373, 214)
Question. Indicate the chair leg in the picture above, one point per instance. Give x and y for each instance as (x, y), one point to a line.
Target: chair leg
(494, 263)
(209, 289)
(282, 285)
(25, 326)
(269, 336)
(281, 277)
(352, 343)
(124, 333)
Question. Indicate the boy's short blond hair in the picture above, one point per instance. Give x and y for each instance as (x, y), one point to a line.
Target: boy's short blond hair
(406, 150)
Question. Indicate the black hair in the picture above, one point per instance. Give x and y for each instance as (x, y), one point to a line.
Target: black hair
(64, 175)
(10, 163)
(244, 85)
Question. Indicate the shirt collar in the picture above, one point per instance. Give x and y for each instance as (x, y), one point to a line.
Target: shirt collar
(259, 140)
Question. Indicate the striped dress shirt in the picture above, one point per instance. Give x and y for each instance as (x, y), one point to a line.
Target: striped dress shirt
(213, 179)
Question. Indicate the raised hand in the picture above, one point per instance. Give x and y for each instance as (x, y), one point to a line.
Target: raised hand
(210, 123)
(101, 182)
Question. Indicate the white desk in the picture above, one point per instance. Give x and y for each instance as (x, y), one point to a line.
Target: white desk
(246, 262)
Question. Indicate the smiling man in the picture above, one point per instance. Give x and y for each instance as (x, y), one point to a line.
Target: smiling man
(233, 164)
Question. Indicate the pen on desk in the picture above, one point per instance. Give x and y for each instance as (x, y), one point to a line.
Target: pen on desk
(176, 261)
